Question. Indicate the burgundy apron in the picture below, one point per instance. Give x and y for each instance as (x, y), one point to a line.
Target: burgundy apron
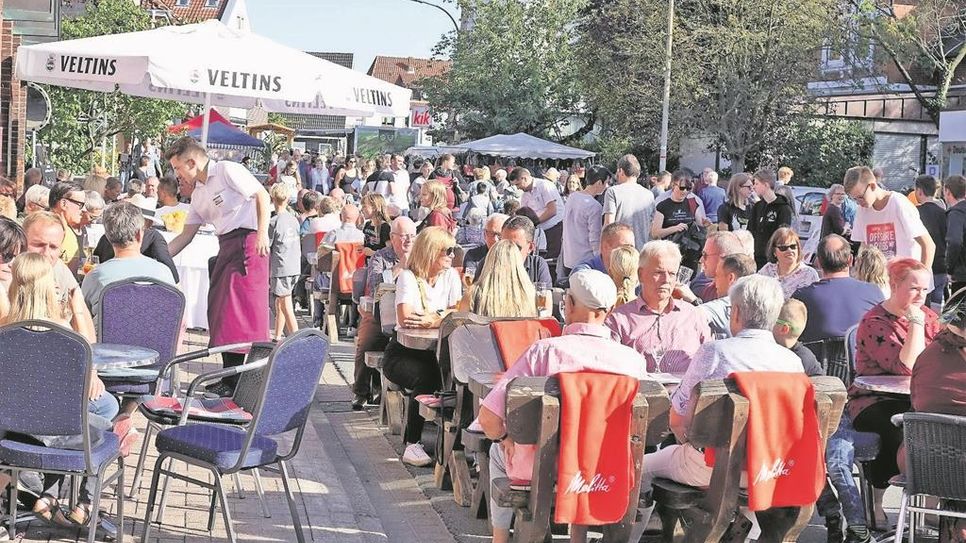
(238, 295)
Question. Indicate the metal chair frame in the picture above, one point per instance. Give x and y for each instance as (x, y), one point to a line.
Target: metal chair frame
(89, 471)
(924, 459)
(153, 426)
(280, 460)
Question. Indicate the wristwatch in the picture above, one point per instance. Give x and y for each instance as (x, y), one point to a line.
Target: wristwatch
(501, 438)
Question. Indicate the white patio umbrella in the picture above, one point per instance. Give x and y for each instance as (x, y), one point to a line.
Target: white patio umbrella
(211, 64)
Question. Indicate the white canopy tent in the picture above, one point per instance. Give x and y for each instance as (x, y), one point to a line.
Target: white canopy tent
(522, 145)
(211, 64)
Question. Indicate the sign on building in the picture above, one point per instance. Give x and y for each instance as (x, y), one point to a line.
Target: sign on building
(419, 117)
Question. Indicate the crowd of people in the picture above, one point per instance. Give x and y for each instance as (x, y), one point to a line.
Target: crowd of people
(671, 274)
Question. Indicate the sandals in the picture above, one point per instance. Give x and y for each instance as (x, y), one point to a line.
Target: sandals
(48, 510)
(81, 516)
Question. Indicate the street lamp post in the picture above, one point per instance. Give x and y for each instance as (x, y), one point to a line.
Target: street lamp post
(665, 110)
(456, 26)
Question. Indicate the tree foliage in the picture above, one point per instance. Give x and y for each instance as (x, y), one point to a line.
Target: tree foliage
(926, 44)
(740, 68)
(620, 56)
(513, 72)
(80, 119)
(820, 150)
(753, 61)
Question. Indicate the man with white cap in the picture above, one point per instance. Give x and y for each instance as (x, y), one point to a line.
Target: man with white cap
(585, 345)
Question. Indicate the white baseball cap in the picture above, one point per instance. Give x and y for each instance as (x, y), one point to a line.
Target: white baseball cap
(593, 289)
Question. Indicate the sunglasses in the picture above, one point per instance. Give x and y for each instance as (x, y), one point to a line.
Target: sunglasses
(6, 258)
(450, 251)
(81, 204)
(685, 188)
(784, 248)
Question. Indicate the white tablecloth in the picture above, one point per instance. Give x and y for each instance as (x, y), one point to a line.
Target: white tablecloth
(192, 264)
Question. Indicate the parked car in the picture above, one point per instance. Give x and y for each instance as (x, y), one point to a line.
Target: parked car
(808, 206)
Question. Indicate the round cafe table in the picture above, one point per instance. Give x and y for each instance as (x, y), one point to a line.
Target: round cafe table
(884, 384)
(109, 356)
(421, 339)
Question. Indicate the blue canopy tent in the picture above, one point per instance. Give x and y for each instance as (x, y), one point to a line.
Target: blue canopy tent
(223, 136)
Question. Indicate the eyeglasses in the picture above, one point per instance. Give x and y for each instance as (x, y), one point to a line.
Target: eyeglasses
(496, 235)
(748, 186)
(861, 196)
(79, 204)
(791, 327)
(705, 255)
(784, 248)
(404, 237)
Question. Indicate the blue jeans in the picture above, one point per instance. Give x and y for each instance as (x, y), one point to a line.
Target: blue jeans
(937, 294)
(839, 457)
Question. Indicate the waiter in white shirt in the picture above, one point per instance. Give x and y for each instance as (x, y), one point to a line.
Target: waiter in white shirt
(228, 196)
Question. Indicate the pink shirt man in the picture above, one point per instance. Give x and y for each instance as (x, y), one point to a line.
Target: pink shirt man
(667, 340)
(582, 347)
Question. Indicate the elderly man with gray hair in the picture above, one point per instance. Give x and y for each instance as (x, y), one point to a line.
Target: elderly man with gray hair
(124, 229)
(756, 302)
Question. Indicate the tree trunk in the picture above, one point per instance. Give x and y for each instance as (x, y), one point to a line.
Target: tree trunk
(737, 163)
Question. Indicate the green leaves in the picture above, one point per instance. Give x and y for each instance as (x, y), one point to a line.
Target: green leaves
(80, 119)
(513, 72)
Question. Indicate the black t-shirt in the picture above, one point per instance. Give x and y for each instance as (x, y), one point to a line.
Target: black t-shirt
(375, 240)
(732, 215)
(934, 219)
(372, 182)
(676, 212)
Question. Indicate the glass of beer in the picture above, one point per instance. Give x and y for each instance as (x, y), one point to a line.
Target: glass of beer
(90, 263)
(469, 272)
(544, 298)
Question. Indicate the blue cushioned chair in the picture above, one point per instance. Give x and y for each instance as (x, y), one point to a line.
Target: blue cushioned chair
(247, 393)
(144, 312)
(291, 377)
(44, 392)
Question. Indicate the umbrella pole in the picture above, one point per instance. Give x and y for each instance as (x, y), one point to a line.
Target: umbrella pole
(205, 120)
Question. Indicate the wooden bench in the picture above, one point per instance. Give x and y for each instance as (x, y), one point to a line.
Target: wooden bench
(533, 418)
(451, 417)
(719, 421)
(374, 360)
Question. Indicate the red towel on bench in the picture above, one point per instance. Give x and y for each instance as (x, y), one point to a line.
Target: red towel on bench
(513, 338)
(785, 460)
(595, 471)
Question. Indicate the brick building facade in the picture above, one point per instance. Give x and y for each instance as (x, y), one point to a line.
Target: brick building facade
(13, 106)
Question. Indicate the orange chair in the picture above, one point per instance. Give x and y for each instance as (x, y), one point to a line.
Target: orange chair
(346, 259)
(514, 337)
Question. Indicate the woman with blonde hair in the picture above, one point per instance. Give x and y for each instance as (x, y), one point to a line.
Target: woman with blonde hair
(426, 292)
(622, 269)
(95, 183)
(504, 288)
(33, 296)
(376, 228)
(432, 196)
(871, 266)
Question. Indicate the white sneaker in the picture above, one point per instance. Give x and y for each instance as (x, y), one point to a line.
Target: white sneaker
(416, 456)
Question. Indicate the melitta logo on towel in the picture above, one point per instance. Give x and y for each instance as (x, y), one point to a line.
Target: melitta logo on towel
(372, 96)
(777, 470)
(244, 80)
(84, 65)
(579, 485)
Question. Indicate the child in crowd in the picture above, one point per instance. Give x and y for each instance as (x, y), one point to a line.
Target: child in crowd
(284, 260)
